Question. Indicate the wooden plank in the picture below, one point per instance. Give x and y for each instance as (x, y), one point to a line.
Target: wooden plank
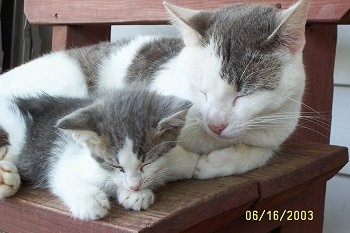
(65, 37)
(297, 165)
(178, 206)
(152, 12)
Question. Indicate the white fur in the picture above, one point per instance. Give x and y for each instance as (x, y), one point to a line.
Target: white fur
(76, 180)
(54, 74)
(13, 123)
(231, 160)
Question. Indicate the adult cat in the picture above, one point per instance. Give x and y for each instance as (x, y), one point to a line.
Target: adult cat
(240, 65)
(121, 145)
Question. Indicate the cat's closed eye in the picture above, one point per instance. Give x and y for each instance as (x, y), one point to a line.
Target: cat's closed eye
(235, 100)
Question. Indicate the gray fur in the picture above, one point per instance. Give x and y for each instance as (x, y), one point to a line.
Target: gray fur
(127, 113)
(151, 57)
(239, 33)
(90, 58)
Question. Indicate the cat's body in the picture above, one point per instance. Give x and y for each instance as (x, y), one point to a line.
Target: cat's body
(121, 145)
(240, 65)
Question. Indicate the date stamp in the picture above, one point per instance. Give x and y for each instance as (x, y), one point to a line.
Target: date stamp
(279, 215)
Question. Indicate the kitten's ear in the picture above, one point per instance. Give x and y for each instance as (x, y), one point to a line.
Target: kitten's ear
(182, 18)
(175, 122)
(292, 25)
(82, 125)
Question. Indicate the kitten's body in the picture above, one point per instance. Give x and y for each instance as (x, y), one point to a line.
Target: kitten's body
(241, 66)
(121, 145)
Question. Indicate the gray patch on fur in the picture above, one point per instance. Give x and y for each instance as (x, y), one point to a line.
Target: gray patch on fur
(239, 34)
(90, 58)
(150, 58)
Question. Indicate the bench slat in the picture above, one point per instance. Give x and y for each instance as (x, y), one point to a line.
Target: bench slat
(55, 12)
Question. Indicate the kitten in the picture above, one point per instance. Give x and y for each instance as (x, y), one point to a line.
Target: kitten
(121, 145)
(240, 65)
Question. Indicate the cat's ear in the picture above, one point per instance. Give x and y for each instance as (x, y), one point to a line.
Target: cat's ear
(187, 22)
(291, 25)
(82, 125)
(175, 122)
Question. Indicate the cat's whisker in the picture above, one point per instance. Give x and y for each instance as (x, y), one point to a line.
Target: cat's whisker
(277, 126)
(279, 118)
(307, 107)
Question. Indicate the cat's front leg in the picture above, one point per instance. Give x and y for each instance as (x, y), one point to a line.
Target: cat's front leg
(135, 200)
(85, 201)
(9, 179)
(237, 159)
(79, 189)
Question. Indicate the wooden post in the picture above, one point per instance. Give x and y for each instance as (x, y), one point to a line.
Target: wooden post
(65, 37)
(319, 57)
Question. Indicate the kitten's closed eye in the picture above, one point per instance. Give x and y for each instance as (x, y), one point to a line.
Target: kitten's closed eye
(117, 167)
(204, 94)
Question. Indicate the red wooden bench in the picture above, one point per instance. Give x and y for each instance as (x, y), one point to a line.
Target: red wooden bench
(287, 195)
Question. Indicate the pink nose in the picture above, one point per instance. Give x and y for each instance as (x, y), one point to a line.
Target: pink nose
(134, 187)
(217, 128)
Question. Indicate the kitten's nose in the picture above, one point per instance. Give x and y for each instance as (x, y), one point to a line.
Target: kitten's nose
(217, 128)
(135, 187)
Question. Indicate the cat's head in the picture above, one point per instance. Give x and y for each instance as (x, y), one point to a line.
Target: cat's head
(244, 63)
(128, 132)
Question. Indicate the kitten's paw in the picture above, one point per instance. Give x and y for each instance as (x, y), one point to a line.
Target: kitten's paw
(9, 179)
(136, 200)
(90, 207)
(215, 164)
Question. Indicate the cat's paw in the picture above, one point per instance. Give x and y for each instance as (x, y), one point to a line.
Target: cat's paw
(9, 179)
(139, 200)
(90, 207)
(215, 164)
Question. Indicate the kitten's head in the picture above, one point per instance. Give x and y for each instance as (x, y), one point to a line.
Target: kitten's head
(244, 63)
(127, 133)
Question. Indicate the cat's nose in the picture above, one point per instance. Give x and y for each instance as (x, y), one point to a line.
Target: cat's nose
(135, 187)
(217, 128)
